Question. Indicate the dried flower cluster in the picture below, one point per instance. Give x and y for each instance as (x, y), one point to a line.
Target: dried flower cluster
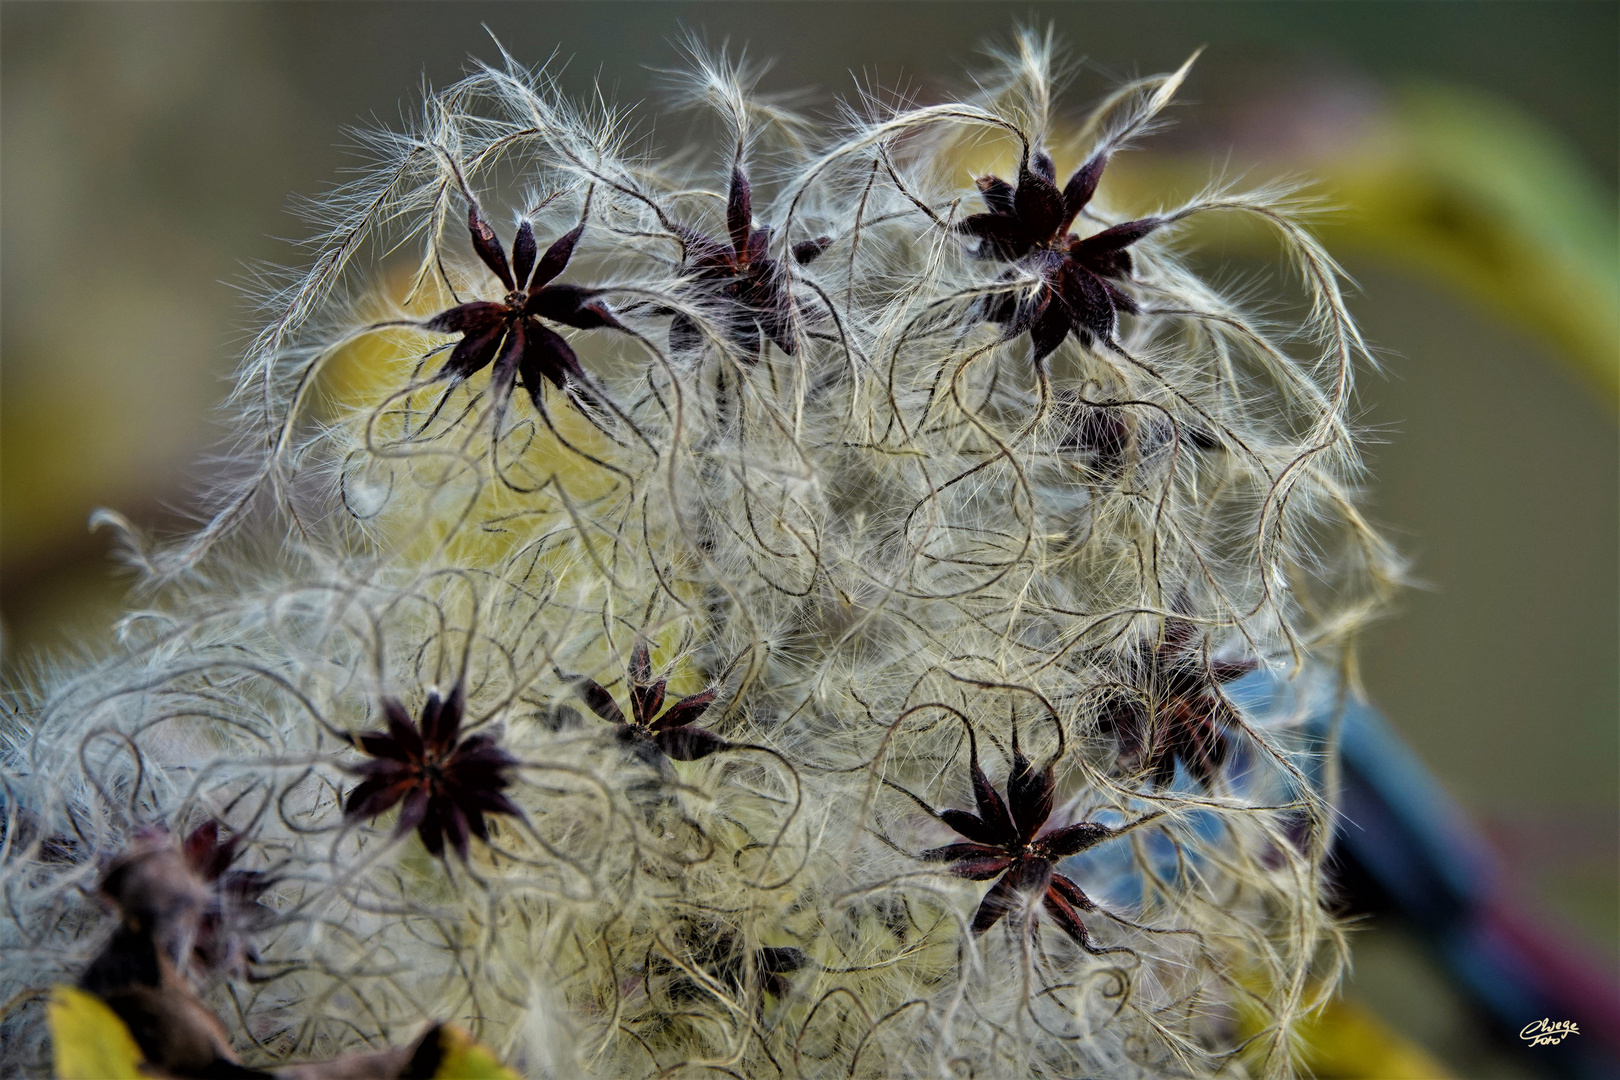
(902, 496)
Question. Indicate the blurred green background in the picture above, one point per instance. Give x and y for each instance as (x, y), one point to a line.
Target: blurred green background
(148, 152)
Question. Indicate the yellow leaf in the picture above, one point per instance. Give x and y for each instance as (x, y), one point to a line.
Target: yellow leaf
(1346, 1042)
(1457, 187)
(88, 1039)
(467, 1059)
(1338, 1041)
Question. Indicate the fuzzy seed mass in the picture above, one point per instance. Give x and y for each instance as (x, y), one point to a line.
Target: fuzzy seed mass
(846, 491)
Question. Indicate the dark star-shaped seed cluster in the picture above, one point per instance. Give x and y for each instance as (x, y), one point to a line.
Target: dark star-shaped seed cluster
(510, 333)
(1029, 226)
(167, 895)
(720, 953)
(1177, 712)
(772, 965)
(180, 897)
(1112, 439)
(699, 961)
(447, 784)
(753, 289)
(674, 733)
(165, 892)
(235, 909)
(1002, 840)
